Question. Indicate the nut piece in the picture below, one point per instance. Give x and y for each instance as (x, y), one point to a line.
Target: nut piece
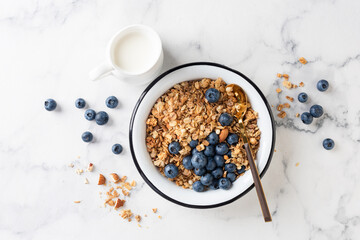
(90, 167)
(302, 60)
(278, 90)
(101, 179)
(223, 135)
(114, 177)
(119, 203)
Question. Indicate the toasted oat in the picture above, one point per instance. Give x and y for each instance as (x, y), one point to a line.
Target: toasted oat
(114, 177)
(154, 210)
(90, 167)
(291, 99)
(102, 179)
(282, 114)
(138, 218)
(278, 90)
(301, 84)
(302, 60)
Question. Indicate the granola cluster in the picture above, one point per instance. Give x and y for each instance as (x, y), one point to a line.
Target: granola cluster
(183, 114)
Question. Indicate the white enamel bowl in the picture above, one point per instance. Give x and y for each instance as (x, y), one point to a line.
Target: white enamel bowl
(142, 160)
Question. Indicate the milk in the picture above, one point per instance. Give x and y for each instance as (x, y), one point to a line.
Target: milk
(135, 52)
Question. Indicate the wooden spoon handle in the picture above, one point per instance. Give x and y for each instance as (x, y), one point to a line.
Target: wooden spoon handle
(258, 185)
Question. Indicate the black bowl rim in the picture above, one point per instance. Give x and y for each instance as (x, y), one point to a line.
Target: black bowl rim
(135, 112)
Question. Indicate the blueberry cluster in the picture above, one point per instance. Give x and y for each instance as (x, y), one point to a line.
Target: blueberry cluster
(101, 118)
(316, 111)
(209, 163)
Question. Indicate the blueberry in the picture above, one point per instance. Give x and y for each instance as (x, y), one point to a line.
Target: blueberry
(209, 151)
(322, 85)
(199, 160)
(194, 151)
(328, 143)
(117, 148)
(90, 114)
(50, 104)
(217, 173)
(215, 184)
(174, 147)
(232, 139)
(231, 176)
(229, 154)
(112, 102)
(207, 179)
(213, 138)
(224, 183)
(225, 119)
(219, 160)
(198, 187)
(80, 103)
(171, 171)
(101, 118)
(200, 171)
(187, 162)
(241, 170)
(212, 95)
(193, 143)
(221, 149)
(211, 164)
(230, 167)
(87, 136)
(316, 111)
(302, 97)
(306, 118)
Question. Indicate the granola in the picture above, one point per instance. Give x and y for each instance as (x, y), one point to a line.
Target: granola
(183, 114)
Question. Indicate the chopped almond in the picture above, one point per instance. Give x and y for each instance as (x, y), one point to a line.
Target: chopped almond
(223, 134)
(102, 179)
(115, 178)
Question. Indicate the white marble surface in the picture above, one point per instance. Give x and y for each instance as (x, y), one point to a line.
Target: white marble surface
(47, 49)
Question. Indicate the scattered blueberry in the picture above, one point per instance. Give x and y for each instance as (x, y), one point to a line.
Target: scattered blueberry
(194, 151)
(230, 167)
(302, 97)
(241, 170)
(231, 176)
(232, 139)
(200, 171)
(117, 148)
(101, 118)
(213, 138)
(219, 160)
(211, 164)
(209, 151)
(212, 95)
(199, 160)
(50, 104)
(316, 111)
(217, 173)
(198, 187)
(221, 148)
(207, 179)
(229, 154)
(174, 147)
(193, 143)
(224, 183)
(215, 184)
(90, 114)
(225, 119)
(187, 162)
(306, 118)
(328, 143)
(87, 136)
(80, 103)
(112, 102)
(171, 171)
(322, 85)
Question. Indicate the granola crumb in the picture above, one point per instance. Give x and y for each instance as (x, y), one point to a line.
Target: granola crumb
(291, 99)
(278, 90)
(138, 218)
(126, 214)
(145, 215)
(79, 171)
(133, 183)
(279, 75)
(287, 84)
(139, 225)
(272, 105)
(282, 114)
(274, 150)
(301, 84)
(77, 201)
(286, 105)
(71, 165)
(279, 107)
(297, 115)
(286, 76)
(90, 167)
(302, 60)
(154, 210)
(160, 217)
(78, 157)
(297, 164)
(86, 181)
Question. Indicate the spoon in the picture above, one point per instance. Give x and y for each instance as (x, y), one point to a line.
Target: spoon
(241, 108)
